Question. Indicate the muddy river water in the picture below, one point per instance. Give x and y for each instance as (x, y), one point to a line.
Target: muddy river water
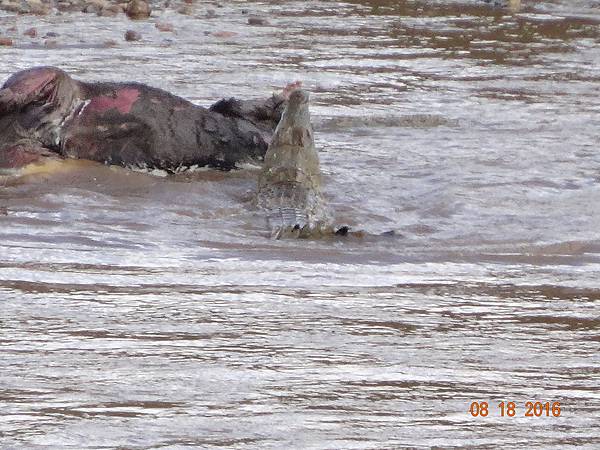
(142, 311)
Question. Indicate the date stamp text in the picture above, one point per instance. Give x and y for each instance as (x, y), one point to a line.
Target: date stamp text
(512, 409)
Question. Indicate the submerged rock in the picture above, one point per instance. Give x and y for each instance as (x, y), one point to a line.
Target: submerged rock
(131, 35)
(110, 11)
(164, 27)
(26, 6)
(186, 10)
(31, 32)
(254, 20)
(224, 34)
(11, 6)
(67, 6)
(138, 10)
(36, 7)
(94, 6)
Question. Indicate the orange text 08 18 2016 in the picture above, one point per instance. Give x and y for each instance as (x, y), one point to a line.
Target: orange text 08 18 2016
(509, 409)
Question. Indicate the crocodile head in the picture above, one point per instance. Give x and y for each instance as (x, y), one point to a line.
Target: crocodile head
(289, 184)
(292, 156)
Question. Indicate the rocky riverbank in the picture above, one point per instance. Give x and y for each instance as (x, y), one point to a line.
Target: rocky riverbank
(135, 9)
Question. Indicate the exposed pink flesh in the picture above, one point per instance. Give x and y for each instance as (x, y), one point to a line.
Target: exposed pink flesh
(123, 101)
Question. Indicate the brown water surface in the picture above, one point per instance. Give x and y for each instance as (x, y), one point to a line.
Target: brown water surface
(141, 311)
